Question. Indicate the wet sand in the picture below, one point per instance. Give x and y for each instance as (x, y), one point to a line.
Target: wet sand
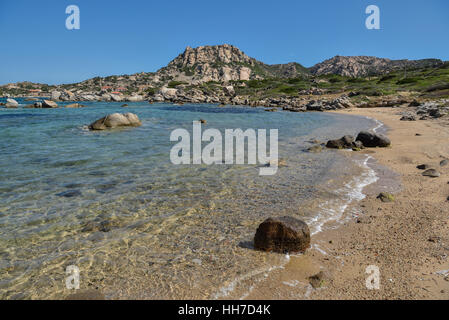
(407, 239)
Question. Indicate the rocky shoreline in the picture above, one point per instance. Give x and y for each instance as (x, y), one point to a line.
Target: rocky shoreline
(422, 110)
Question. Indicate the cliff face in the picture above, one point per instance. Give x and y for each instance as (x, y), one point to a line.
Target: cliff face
(362, 66)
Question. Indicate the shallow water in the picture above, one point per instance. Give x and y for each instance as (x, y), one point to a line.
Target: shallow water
(138, 226)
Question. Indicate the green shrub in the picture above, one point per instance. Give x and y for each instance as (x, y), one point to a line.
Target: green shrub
(174, 84)
(408, 80)
(387, 77)
(151, 91)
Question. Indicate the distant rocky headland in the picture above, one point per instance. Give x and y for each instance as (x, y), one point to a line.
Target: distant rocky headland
(223, 74)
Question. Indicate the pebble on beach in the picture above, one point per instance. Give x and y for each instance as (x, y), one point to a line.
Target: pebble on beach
(431, 173)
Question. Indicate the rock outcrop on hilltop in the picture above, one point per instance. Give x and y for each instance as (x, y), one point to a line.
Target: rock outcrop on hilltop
(362, 66)
(223, 63)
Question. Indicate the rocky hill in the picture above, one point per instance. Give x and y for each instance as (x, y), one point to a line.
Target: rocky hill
(225, 74)
(362, 66)
(223, 63)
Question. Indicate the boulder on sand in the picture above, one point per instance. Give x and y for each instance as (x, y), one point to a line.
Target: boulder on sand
(116, 120)
(373, 140)
(424, 166)
(385, 197)
(319, 280)
(285, 234)
(408, 117)
(431, 173)
(342, 143)
(346, 142)
(357, 145)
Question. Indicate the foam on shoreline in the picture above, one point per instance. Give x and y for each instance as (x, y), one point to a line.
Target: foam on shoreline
(333, 210)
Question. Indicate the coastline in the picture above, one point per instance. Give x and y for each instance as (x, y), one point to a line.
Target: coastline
(407, 239)
(344, 248)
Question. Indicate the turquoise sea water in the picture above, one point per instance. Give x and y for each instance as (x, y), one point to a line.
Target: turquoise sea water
(138, 226)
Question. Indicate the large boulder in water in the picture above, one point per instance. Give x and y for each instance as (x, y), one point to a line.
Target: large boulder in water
(11, 103)
(285, 234)
(373, 140)
(49, 104)
(116, 120)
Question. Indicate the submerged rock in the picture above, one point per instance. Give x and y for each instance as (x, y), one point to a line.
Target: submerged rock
(315, 149)
(276, 163)
(285, 234)
(69, 194)
(444, 162)
(103, 226)
(75, 105)
(116, 120)
(373, 140)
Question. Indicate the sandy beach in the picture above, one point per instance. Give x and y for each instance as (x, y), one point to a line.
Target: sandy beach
(407, 239)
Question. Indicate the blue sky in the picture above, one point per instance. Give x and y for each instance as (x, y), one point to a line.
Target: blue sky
(124, 37)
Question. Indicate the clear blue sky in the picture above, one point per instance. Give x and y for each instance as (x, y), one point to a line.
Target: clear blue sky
(124, 37)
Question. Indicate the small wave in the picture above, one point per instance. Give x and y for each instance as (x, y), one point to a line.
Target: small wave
(379, 124)
(227, 290)
(333, 210)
